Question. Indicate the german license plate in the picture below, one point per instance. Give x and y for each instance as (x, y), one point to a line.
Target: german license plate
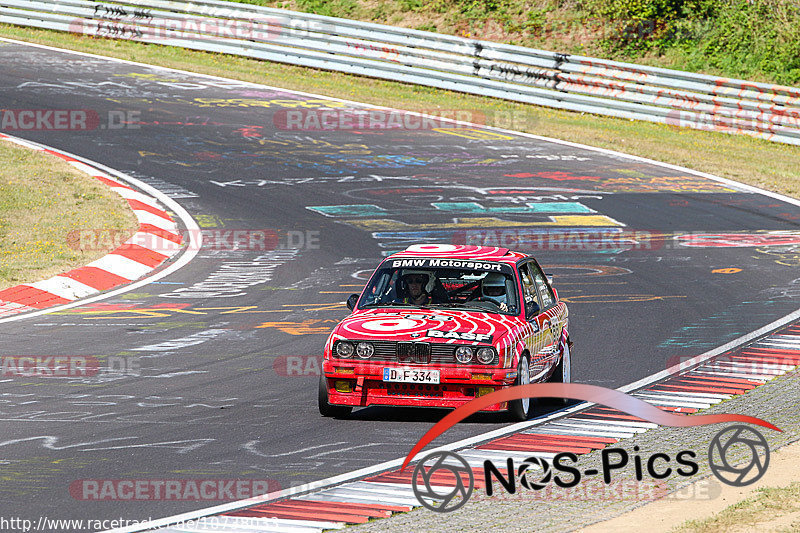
(410, 375)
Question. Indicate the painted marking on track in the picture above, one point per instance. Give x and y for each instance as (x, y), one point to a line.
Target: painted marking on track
(487, 222)
(306, 327)
(726, 270)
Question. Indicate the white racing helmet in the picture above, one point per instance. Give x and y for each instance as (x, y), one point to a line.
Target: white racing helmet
(429, 275)
(493, 287)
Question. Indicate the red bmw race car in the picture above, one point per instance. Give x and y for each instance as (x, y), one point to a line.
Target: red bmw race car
(439, 325)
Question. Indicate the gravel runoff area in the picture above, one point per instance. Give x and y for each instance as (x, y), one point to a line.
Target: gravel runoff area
(777, 401)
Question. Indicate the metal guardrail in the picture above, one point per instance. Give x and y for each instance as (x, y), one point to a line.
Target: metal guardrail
(472, 66)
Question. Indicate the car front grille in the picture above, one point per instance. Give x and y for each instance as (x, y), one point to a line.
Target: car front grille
(417, 352)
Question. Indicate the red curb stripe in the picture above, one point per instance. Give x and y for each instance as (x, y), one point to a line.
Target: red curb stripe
(784, 359)
(141, 206)
(164, 234)
(299, 515)
(310, 505)
(32, 297)
(776, 359)
(349, 505)
(62, 156)
(770, 351)
(140, 254)
(574, 439)
(731, 386)
(96, 278)
(507, 446)
(719, 380)
(694, 388)
(444, 479)
(112, 183)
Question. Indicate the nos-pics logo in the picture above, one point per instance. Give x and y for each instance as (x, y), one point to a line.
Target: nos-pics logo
(444, 481)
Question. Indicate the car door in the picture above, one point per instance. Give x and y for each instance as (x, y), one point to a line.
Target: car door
(553, 314)
(536, 339)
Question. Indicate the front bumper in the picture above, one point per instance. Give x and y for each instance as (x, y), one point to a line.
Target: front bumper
(457, 385)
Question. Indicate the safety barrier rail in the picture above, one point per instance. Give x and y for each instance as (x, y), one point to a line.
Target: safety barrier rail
(460, 64)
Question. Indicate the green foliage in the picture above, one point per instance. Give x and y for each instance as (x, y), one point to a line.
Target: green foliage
(752, 39)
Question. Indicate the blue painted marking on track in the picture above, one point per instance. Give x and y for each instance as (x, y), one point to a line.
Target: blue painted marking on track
(357, 210)
(530, 207)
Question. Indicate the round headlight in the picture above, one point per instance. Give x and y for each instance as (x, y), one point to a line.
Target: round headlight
(464, 354)
(344, 349)
(485, 356)
(365, 350)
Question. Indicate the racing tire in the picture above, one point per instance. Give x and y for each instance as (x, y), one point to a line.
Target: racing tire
(326, 409)
(563, 372)
(520, 410)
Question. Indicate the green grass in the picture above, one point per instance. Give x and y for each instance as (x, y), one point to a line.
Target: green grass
(42, 200)
(772, 166)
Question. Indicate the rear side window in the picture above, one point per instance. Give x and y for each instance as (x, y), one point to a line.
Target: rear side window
(529, 292)
(539, 279)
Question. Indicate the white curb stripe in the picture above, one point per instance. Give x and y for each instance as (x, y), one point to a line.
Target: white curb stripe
(146, 217)
(154, 242)
(130, 194)
(611, 428)
(121, 266)
(66, 288)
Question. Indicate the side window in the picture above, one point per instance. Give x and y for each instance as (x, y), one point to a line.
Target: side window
(540, 281)
(529, 293)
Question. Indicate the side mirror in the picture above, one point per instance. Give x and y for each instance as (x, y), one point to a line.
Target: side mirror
(351, 301)
(550, 280)
(555, 293)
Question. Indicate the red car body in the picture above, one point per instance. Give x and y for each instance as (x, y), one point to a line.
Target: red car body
(417, 343)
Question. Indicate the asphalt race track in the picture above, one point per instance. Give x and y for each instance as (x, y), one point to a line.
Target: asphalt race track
(223, 355)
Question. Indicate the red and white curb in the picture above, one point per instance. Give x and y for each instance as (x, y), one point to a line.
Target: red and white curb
(157, 240)
(381, 493)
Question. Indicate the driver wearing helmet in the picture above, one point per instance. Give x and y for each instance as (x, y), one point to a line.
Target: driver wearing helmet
(493, 289)
(418, 285)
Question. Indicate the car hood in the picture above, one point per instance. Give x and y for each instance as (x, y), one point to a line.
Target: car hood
(422, 325)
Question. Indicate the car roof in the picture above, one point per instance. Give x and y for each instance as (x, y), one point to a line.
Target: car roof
(461, 251)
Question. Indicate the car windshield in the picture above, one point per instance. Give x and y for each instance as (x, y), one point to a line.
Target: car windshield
(490, 288)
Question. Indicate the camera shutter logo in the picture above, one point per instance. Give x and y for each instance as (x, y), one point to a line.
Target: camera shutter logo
(726, 443)
(544, 478)
(425, 486)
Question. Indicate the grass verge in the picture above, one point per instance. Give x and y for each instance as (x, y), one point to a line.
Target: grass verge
(772, 166)
(774, 509)
(42, 200)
